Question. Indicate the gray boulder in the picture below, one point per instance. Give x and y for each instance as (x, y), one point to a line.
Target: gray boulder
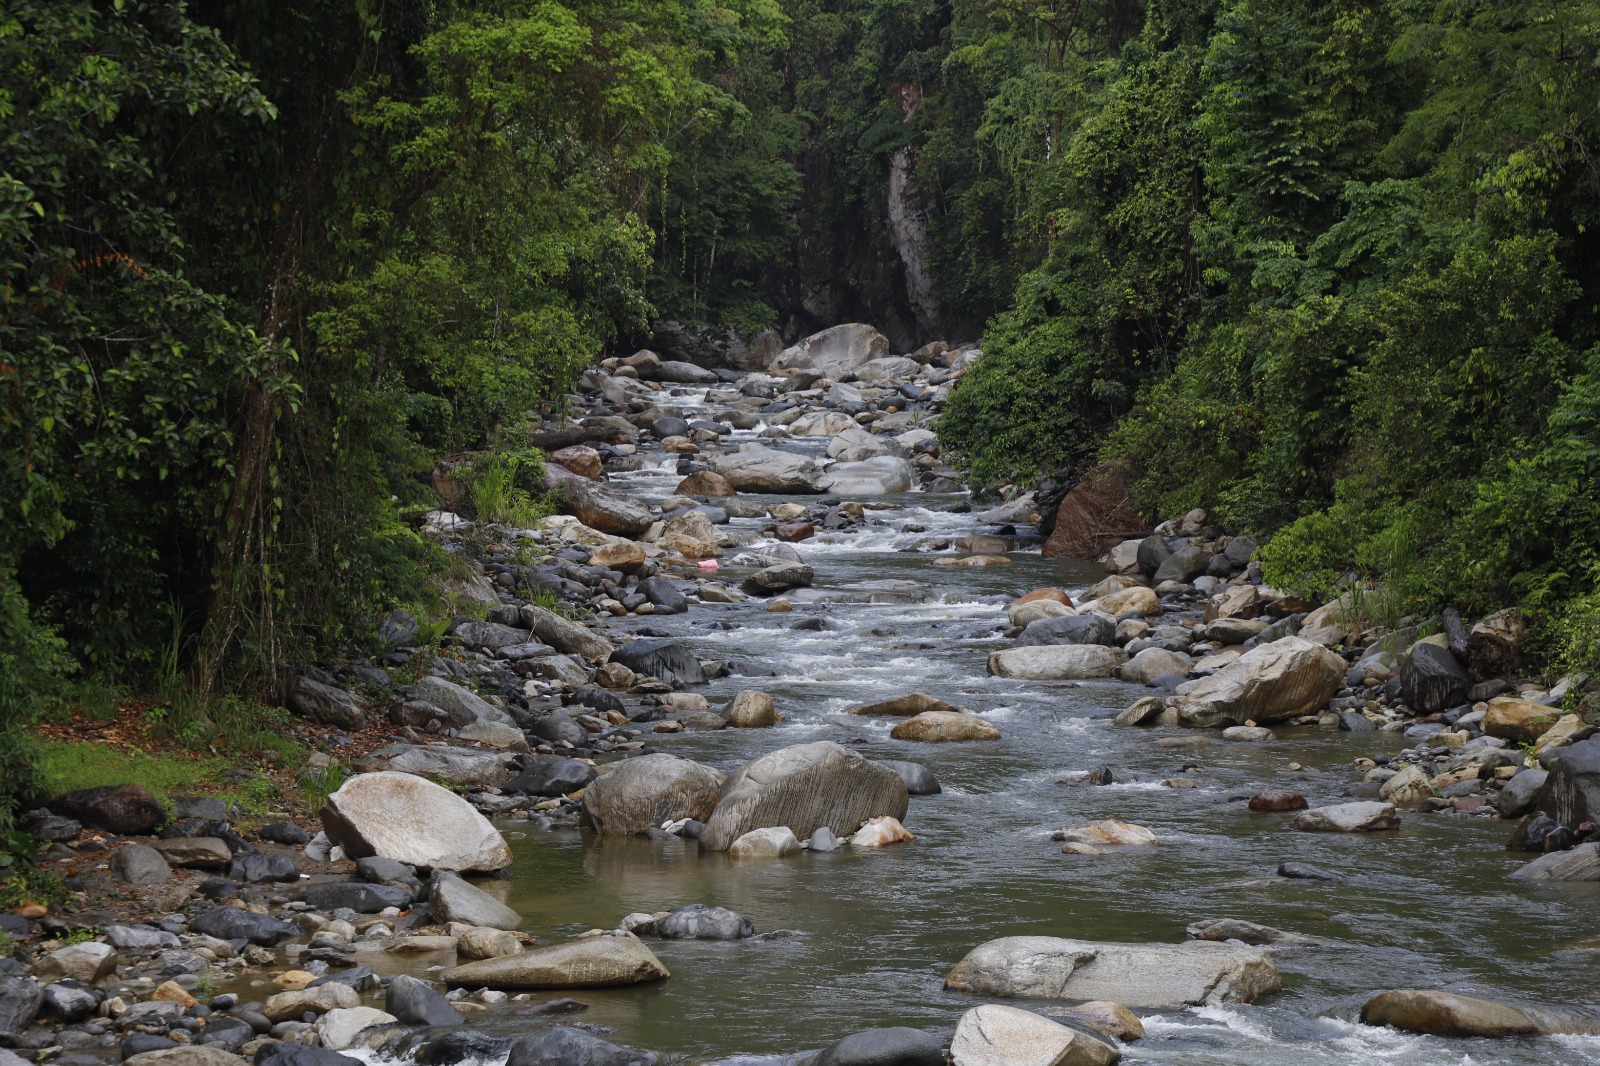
(356, 895)
(1582, 863)
(328, 705)
(1069, 629)
(416, 1002)
(779, 578)
(452, 899)
(1269, 683)
(755, 469)
(405, 818)
(565, 635)
(662, 658)
(835, 351)
(558, 777)
(1431, 680)
(919, 780)
(1153, 551)
(804, 787)
(898, 1046)
(880, 475)
(592, 962)
(140, 864)
(1183, 565)
(1521, 794)
(1571, 794)
(231, 923)
(700, 922)
(643, 793)
(20, 1000)
(565, 1046)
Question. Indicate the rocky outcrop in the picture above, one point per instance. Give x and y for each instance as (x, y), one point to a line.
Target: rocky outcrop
(804, 787)
(1269, 683)
(403, 817)
(1159, 976)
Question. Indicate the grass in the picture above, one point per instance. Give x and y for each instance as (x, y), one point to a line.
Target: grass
(496, 492)
(71, 765)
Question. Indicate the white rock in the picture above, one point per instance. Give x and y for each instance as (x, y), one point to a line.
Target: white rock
(339, 1028)
(771, 843)
(996, 1035)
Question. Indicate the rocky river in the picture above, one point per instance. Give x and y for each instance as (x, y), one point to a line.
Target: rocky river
(1058, 813)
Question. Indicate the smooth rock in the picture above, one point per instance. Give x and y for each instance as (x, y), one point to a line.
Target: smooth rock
(645, 792)
(416, 1002)
(318, 999)
(567, 1046)
(996, 1035)
(1359, 817)
(451, 899)
(88, 962)
(596, 961)
(804, 787)
(403, 817)
(938, 727)
(1067, 662)
(1270, 683)
(773, 842)
(750, 709)
(898, 1046)
(140, 864)
(1447, 1014)
(338, 1029)
(700, 922)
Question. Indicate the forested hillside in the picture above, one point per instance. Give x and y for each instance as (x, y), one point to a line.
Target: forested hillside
(1327, 270)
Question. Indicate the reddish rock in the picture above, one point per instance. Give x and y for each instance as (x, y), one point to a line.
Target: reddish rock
(793, 531)
(1095, 515)
(581, 460)
(704, 483)
(1276, 800)
(1057, 595)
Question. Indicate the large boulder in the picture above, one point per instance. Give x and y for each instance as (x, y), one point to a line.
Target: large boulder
(128, 810)
(1363, 816)
(20, 1000)
(643, 793)
(1571, 793)
(907, 706)
(1431, 680)
(996, 1035)
(232, 923)
(140, 864)
(920, 781)
(772, 842)
(1152, 663)
(592, 962)
(1158, 976)
(804, 787)
(564, 634)
(417, 1002)
(878, 476)
(1447, 1014)
(459, 766)
(1184, 565)
(938, 727)
(555, 777)
(406, 818)
(888, 369)
(452, 899)
(566, 1046)
(700, 922)
(462, 706)
(756, 469)
(339, 1029)
(327, 705)
(1269, 683)
(780, 577)
(1058, 662)
(835, 351)
(662, 658)
(1069, 629)
(1581, 863)
(1519, 721)
(898, 1046)
(594, 506)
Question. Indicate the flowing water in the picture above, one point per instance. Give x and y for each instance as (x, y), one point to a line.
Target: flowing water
(877, 930)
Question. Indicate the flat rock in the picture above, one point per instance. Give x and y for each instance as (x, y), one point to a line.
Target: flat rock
(1447, 1014)
(997, 1035)
(319, 999)
(1364, 816)
(773, 842)
(452, 899)
(897, 1046)
(644, 793)
(939, 727)
(596, 961)
(1581, 863)
(405, 818)
(1067, 662)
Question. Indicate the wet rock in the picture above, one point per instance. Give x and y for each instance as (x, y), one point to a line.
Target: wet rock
(452, 899)
(757, 469)
(187, 1055)
(780, 578)
(664, 595)
(1582, 863)
(338, 1029)
(1152, 663)
(257, 867)
(402, 817)
(566, 1046)
(939, 727)
(804, 787)
(1360, 817)
(231, 923)
(646, 792)
(1447, 1014)
(1571, 794)
(1222, 929)
(1408, 788)
(318, 999)
(128, 810)
(486, 944)
(898, 1046)
(919, 780)
(462, 1045)
(773, 842)
(416, 1002)
(1278, 800)
(700, 922)
(1521, 793)
(1158, 976)
(557, 777)
(1111, 1020)
(1066, 662)
(996, 1035)
(1145, 711)
(596, 961)
(906, 706)
(750, 709)
(283, 1053)
(1109, 831)
(662, 658)
(823, 840)
(20, 1000)
(704, 483)
(1025, 614)
(201, 852)
(1069, 629)
(355, 895)
(878, 476)
(1269, 683)
(880, 833)
(140, 864)
(1431, 679)
(1248, 734)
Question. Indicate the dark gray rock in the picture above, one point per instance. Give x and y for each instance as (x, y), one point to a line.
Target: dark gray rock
(208, 807)
(898, 1046)
(317, 702)
(565, 1046)
(559, 777)
(919, 780)
(1431, 679)
(664, 595)
(1571, 794)
(360, 978)
(359, 897)
(1521, 793)
(1239, 551)
(284, 833)
(138, 1043)
(557, 726)
(125, 809)
(1356, 722)
(1153, 551)
(1304, 871)
(376, 870)
(1185, 565)
(460, 1045)
(140, 864)
(669, 426)
(258, 867)
(398, 630)
(666, 659)
(287, 1054)
(1069, 629)
(700, 922)
(53, 828)
(416, 1002)
(69, 1001)
(20, 1000)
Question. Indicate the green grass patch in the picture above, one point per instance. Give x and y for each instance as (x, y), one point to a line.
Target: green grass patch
(68, 765)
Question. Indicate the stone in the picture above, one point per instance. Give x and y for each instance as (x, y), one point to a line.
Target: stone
(232, 923)
(128, 810)
(339, 1028)
(1270, 683)
(835, 351)
(173, 992)
(200, 852)
(1023, 615)
(750, 709)
(1571, 795)
(1494, 647)
(187, 1055)
(596, 507)
(140, 864)
(257, 867)
(1248, 734)
(67, 1003)
(318, 999)
(1234, 630)
(643, 793)
(1408, 788)
(282, 1053)
(878, 476)
(880, 833)
(463, 1045)
(327, 705)
(486, 944)
(663, 595)
(592, 962)
(907, 706)
(416, 1002)
(405, 818)
(1360, 817)
(452, 899)
(704, 483)
(823, 840)
(1278, 800)
(1156, 976)
(1431, 680)
(1146, 711)
(1109, 831)
(897, 1046)
(1152, 663)
(1183, 565)
(556, 777)
(461, 766)
(88, 962)
(700, 922)
(1069, 629)
(764, 470)
(1062, 662)
(1519, 721)
(939, 727)
(355, 895)
(581, 460)
(625, 555)
(20, 1000)
(1135, 600)
(773, 842)
(666, 659)
(1521, 793)
(804, 787)
(1111, 1020)
(1223, 929)
(919, 780)
(567, 1046)
(1447, 1014)
(565, 635)
(780, 578)
(1581, 863)
(997, 1035)
(1151, 553)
